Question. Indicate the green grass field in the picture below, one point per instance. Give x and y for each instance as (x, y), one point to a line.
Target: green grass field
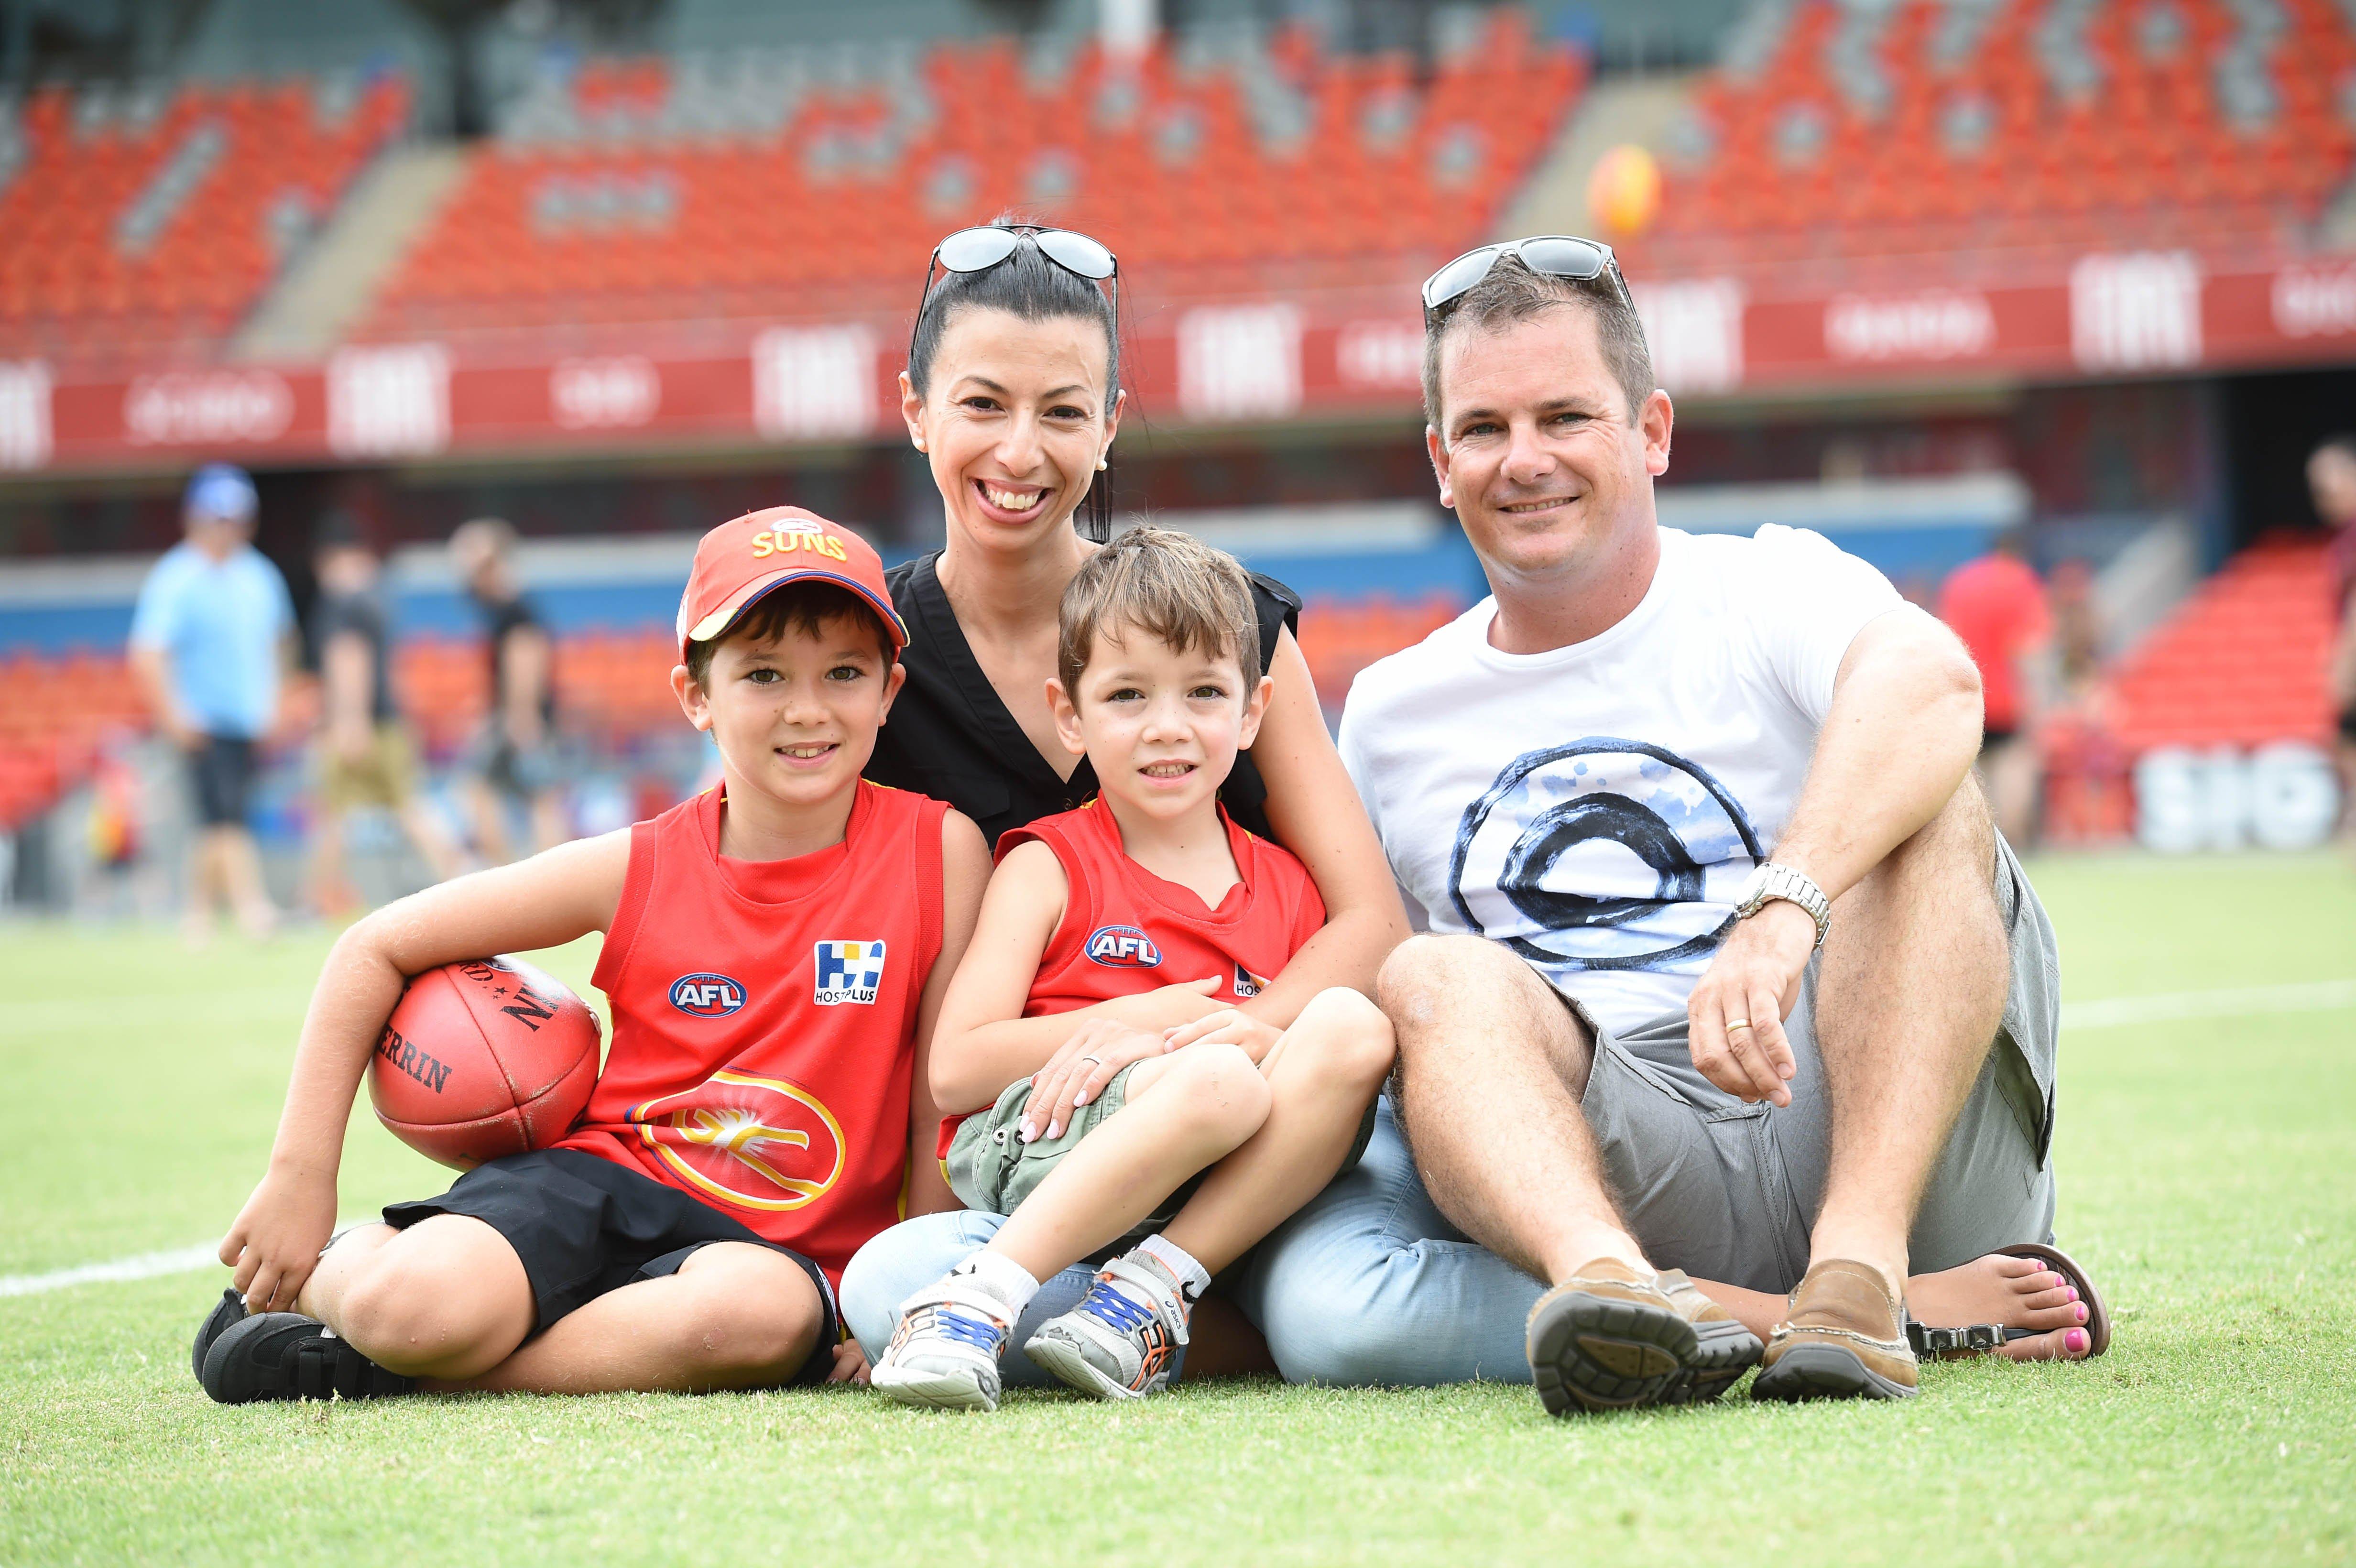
(2209, 1168)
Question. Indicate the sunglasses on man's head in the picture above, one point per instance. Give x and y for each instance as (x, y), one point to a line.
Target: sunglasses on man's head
(1550, 255)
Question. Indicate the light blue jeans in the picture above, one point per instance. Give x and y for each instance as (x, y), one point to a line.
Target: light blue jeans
(1368, 1284)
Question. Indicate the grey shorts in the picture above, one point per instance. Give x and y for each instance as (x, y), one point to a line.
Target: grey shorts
(1727, 1191)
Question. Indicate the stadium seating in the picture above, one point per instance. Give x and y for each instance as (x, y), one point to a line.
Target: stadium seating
(2242, 663)
(646, 188)
(154, 219)
(58, 713)
(1857, 130)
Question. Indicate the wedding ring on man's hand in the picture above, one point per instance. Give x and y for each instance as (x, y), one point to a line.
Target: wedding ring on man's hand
(1733, 1024)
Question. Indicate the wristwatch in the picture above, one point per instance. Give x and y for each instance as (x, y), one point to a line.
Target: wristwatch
(1771, 881)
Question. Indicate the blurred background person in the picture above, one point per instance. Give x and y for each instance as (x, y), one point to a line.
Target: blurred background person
(513, 760)
(366, 755)
(210, 634)
(1996, 605)
(2331, 482)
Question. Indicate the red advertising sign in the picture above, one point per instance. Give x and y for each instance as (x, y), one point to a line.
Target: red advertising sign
(1241, 361)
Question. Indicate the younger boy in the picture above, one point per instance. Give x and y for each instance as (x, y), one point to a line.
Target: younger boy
(687, 1233)
(1159, 685)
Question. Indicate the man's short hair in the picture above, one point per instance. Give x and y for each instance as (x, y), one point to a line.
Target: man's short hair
(1512, 295)
(807, 606)
(1172, 586)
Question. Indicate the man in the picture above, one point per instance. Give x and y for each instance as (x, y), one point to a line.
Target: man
(366, 755)
(1631, 793)
(2332, 481)
(514, 760)
(208, 640)
(1996, 605)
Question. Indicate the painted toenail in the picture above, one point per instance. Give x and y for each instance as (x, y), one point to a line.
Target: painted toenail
(2075, 1339)
(2073, 1293)
(2082, 1312)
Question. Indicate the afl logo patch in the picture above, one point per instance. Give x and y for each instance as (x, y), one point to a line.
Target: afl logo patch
(1123, 948)
(706, 995)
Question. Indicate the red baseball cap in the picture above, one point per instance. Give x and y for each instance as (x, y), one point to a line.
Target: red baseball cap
(745, 558)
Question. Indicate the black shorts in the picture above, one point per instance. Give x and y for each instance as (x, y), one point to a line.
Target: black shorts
(583, 1226)
(2348, 725)
(1997, 735)
(221, 775)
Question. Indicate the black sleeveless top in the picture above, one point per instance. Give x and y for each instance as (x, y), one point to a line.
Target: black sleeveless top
(950, 736)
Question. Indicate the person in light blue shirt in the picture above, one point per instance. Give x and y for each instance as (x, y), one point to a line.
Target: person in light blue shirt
(208, 640)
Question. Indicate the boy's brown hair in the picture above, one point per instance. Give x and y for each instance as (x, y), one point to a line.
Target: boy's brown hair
(1172, 586)
(806, 606)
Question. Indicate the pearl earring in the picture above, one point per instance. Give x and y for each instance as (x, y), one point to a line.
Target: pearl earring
(1101, 463)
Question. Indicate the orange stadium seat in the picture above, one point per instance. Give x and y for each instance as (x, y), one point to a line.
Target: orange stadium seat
(1866, 132)
(137, 219)
(603, 212)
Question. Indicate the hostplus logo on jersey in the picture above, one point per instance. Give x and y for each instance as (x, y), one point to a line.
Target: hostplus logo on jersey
(1248, 985)
(848, 972)
(1123, 948)
(706, 995)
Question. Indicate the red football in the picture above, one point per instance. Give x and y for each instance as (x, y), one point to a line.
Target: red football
(484, 1058)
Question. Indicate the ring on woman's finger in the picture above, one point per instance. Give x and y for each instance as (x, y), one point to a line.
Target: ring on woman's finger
(1732, 1024)
(1099, 1061)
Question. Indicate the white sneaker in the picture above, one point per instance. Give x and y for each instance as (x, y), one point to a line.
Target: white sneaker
(944, 1354)
(1121, 1341)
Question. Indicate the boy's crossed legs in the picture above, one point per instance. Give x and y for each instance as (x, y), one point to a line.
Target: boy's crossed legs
(629, 1285)
(1270, 1135)
(446, 1302)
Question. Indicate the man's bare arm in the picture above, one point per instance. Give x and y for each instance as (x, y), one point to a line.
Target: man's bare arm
(1902, 734)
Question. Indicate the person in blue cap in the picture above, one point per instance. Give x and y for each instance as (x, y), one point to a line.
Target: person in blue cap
(209, 639)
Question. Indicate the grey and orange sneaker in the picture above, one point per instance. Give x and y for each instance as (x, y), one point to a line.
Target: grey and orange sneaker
(1844, 1337)
(1122, 1340)
(944, 1352)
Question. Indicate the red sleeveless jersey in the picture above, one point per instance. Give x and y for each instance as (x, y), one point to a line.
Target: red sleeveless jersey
(1126, 930)
(765, 1017)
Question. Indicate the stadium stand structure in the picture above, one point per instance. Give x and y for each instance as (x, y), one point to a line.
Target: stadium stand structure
(733, 185)
(2239, 664)
(149, 219)
(2241, 661)
(1852, 131)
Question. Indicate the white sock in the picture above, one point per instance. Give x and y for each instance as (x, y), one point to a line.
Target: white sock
(1000, 1276)
(1192, 1277)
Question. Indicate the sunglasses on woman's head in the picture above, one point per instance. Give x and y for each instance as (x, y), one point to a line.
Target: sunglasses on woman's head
(978, 249)
(1550, 255)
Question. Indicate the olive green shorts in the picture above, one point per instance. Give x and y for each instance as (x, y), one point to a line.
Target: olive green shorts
(991, 1168)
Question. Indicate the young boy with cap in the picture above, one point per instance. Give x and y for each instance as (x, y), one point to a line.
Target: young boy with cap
(641, 1252)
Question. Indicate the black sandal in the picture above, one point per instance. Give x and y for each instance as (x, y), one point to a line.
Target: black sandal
(1983, 1338)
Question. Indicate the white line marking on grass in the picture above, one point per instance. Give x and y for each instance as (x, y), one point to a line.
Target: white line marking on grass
(139, 1266)
(2314, 996)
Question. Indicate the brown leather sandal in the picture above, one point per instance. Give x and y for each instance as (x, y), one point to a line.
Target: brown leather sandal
(1985, 1339)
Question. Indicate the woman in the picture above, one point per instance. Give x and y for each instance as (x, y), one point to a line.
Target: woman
(1012, 393)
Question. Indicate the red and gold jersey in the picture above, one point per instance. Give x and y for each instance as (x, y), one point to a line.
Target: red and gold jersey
(765, 1017)
(1126, 930)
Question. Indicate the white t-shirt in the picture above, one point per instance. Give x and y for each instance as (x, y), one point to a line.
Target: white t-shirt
(1596, 807)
